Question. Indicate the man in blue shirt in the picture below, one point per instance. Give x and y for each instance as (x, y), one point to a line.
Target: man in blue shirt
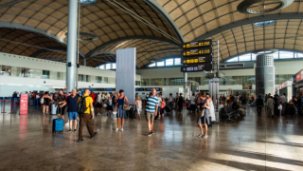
(151, 110)
(72, 109)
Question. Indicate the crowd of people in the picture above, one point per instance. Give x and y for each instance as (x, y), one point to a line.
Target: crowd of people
(152, 107)
(278, 105)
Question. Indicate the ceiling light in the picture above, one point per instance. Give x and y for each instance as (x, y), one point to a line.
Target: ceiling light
(265, 23)
(262, 6)
(87, 2)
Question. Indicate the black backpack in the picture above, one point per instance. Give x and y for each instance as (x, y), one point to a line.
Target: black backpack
(82, 105)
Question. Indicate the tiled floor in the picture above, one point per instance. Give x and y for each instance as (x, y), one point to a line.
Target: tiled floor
(253, 144)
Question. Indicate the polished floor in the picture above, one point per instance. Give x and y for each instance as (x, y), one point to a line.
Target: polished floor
(256, 143)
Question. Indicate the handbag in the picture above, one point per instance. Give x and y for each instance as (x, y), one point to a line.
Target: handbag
(125, 107)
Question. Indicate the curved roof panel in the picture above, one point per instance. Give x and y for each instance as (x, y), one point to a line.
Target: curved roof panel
(160, 25)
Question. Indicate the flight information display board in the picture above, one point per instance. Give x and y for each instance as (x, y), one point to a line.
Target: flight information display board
(197, 68)
(197, 56)
(196, 60)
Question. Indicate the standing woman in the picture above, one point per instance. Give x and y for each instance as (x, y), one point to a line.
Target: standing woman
(46, 103)
(138, 106)
(122, 102)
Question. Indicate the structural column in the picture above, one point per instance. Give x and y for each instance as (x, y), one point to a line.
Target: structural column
(265, 74)
(72, 39)
(186, 88)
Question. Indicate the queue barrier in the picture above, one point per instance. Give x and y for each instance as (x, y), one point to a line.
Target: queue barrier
(8, 104)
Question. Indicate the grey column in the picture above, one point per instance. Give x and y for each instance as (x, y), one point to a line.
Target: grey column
(71, 67)
(186, 92)
(265, 74)
(126, 72)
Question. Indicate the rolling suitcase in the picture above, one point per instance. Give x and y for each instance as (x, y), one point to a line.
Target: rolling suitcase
(58, 125)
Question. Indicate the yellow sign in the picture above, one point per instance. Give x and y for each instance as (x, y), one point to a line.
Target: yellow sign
(197, 52)
(197, 44)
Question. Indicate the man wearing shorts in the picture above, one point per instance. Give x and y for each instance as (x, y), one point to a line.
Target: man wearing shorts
(72, 109)
(61, 101)
(151, 110)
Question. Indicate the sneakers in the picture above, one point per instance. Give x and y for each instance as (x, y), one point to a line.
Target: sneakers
(121, 129)
(150, 133)
(94, 134)
(117, 129)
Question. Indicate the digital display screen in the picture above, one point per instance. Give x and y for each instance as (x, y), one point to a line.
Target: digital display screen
(197, 52)
(197, 68)
(204, 43)
(197, 60)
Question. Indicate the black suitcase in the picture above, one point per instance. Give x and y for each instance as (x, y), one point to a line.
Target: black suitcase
(131, 113)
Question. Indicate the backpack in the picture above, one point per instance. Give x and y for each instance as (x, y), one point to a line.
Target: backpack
(82, 105)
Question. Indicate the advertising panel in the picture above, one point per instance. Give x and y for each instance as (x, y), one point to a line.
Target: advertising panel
(23, 104)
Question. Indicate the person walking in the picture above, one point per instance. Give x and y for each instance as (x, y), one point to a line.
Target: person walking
(270, 106)
(122, 103)
(72, 110)
(87, 115)
(151, 110)
(46, 103)
(259, 104)
(61, 102)
(138, 104)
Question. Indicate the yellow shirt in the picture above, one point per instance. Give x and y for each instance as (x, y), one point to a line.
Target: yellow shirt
(89, 100)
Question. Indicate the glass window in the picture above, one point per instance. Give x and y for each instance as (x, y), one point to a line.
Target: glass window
(177, 61)
(286, 55)
(45, 74)
(169, 62)
(160, 64)
(245, 57)
(106, 79)
(108, 66)
(152, 65)
(299, 55)
(235, 59)
(114, 66)
(98, 79)
(253, 56)
(276, 55)
(102, 67)
(81, 77)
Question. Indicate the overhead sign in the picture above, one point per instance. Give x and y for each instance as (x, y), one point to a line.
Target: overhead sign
(197, 68)
(197, 60)
(197, 52)
(197, 56)
(190, 45)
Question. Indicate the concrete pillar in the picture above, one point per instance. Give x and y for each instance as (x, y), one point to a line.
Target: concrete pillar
(72, 41)
(265, 74)
(126, 72)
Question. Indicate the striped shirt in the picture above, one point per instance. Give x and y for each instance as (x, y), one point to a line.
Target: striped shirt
(151, 104)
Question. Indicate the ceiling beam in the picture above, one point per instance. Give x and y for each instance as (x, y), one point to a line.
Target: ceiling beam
(279, 16)
(159, 9)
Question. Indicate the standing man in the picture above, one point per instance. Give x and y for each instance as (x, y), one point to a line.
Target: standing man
(151, 110)
(61, 101)
(87, 115)
(72, 109)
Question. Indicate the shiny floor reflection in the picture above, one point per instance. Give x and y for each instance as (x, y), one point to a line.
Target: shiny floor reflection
(256, 143)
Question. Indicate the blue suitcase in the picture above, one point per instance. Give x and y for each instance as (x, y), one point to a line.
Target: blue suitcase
(58, 125)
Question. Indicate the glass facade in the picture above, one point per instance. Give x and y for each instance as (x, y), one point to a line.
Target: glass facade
(245, 81)
(47, 74)
(277, 55)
